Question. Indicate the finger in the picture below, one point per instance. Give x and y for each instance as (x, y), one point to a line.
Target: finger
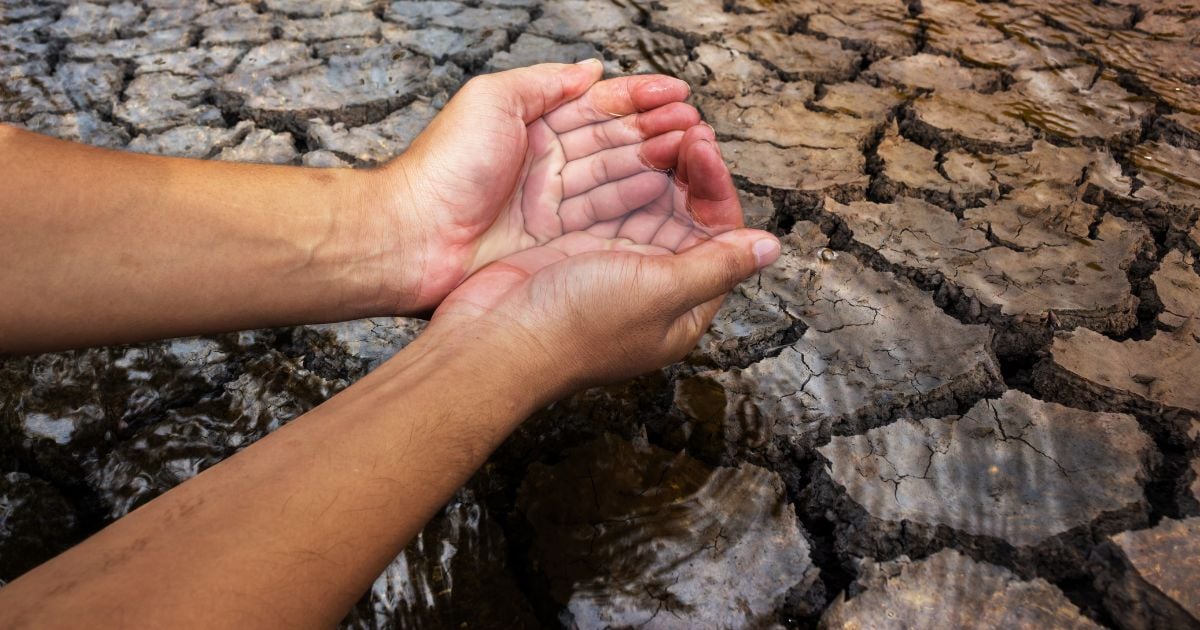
(540, 189)
(618, 97)
(584, 174)
(611, 200)
(693, 135)
(631, 129)
(533, 91)
(607, 229)
(661, 152)
(679, 227)
(712, 268)
(711, 196)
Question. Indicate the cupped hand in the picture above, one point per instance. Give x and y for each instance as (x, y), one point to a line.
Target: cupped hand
(521, 157)
(624, 295)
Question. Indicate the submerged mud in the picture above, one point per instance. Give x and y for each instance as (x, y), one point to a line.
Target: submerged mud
(965, 396)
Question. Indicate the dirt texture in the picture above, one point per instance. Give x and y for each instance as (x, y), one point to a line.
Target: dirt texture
(950, 590)
(1149, 575)
(1021, 481)
(965, 396)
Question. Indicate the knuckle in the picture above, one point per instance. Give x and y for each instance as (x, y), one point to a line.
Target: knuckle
(600, 134)
(589, 208)
(637, 123)
(600, 169)
(624, 93)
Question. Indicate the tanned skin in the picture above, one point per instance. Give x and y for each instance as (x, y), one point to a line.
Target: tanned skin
(533, 200)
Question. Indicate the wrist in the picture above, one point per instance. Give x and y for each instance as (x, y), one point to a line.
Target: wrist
(383, 238)
(508, 373)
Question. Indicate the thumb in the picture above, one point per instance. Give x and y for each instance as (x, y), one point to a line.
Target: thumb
(714, 267)
(533, 91)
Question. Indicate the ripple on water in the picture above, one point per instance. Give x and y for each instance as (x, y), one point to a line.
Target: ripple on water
(629, 534)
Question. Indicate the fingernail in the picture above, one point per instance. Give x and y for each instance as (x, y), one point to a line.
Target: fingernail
(688, 86)
(765, 252)
(584, 62)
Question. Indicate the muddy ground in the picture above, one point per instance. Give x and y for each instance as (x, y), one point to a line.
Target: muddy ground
(967, 395)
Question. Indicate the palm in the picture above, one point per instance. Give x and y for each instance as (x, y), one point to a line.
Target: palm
(586, 165)
(674, 218)
(578, 172)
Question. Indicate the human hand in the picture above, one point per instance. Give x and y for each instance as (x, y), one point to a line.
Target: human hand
(517, 159)
(616, 300)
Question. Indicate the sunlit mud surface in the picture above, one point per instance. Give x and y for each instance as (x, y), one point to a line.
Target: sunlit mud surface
(967, 395)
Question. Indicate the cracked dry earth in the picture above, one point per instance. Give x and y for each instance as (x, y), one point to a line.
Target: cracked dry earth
(966, 395)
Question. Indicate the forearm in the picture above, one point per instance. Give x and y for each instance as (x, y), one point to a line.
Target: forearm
(293, 529)
(101, 247)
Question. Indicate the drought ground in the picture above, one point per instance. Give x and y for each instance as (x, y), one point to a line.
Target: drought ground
(966, 395)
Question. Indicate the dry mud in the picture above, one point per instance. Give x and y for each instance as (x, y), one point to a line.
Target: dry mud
(967, 394)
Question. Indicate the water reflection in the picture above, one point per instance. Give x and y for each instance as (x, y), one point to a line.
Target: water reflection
(36, 522)
(872, 347)
(112, 428)
(1014, 478)
(452, 575)
(628, 534)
